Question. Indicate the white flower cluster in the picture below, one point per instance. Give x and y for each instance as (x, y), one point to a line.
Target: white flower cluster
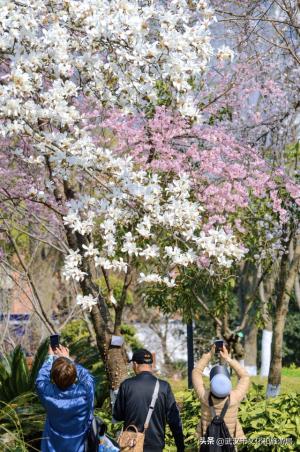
(86, 301)
(221, 245)
(83, 226)
(71, 268)
(60, 57)
(117, 52)
(155, 278)
(139, 215)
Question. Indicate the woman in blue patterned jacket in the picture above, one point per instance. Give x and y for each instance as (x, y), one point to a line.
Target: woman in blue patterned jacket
(66, 391)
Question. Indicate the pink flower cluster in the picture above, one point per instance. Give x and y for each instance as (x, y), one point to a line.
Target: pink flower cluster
(229, 177)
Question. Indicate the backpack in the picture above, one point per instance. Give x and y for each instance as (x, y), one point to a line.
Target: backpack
(217, 437)
(97, 429)
(133, 440)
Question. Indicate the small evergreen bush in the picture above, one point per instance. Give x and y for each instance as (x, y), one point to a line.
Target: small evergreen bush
(275, 419)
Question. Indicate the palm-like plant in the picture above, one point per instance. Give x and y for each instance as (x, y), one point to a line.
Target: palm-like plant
(15, 376)
(21, 424)
(21, 415)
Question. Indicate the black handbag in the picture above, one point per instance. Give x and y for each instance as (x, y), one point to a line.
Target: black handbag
(97, 428)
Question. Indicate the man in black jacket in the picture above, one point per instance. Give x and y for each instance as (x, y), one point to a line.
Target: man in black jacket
(134, 399)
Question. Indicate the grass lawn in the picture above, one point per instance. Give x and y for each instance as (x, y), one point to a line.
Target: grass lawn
(290, 381)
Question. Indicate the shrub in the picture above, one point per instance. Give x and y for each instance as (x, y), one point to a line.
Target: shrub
(21, 424)
(276, 418)
(15, 376)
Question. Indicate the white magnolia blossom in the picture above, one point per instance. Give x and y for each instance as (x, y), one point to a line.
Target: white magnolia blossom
(84, 226)
(153, 278)
(61, 57)
(129, 245)
(90, 250)
(173, 216)
(156, 279)
(112, 299)
(86, 301)
(116, 265)
(149, 252)
(221, 245)
(122, 51)
(71, 268)
(144, 227)
(180, 258)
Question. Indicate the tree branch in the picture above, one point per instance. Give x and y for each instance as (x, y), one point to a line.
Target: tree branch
(206, 308)
(30, 280)
(122, 300)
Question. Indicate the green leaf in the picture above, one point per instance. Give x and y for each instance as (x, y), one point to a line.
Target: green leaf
(39, 358)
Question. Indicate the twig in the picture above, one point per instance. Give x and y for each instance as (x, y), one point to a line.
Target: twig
(206, 308)
(31, 300)
(30, 280)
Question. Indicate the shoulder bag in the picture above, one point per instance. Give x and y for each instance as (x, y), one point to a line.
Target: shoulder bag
(131, 440)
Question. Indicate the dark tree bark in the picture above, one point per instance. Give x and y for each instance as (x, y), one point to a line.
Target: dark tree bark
(114, 358)
(288, 271)
(251, 349)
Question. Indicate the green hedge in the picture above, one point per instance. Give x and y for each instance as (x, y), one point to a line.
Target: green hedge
(275, 419)
(262, 420)
(278, 418)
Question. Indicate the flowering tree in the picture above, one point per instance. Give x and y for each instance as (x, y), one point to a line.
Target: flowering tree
(267, 36)
(257, 97)
(239, 188)
(62, 63)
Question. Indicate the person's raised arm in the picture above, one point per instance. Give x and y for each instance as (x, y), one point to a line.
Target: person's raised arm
(43, 379)
(174, 421)
(84, 377)
(197, 375)
(240, 391)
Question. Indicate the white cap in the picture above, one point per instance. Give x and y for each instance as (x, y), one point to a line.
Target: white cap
(220, 386)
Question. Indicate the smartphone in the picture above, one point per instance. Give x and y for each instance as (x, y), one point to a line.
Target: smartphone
(219, 345)
(54, 341)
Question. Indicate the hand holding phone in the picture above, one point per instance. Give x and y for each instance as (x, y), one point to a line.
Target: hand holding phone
(224, 353)
(62, 351)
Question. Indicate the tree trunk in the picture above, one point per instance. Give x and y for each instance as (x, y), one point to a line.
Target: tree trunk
(246, 290)
(266, 347)
(266, 343)
(297, 291)
(288, 273)
(166, 356)
(114, 358)
(251, 349)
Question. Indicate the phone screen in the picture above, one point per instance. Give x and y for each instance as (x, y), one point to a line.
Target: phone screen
(54, 341)
(219, 345)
